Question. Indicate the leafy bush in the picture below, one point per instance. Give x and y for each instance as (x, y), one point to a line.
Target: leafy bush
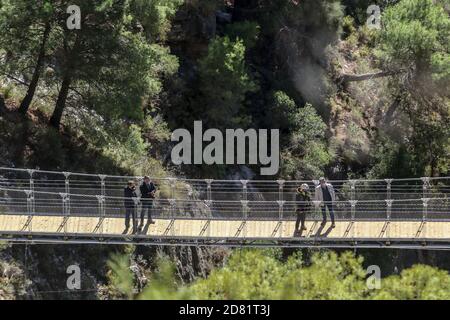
(224, 83)
(248, 31)
(262, 274)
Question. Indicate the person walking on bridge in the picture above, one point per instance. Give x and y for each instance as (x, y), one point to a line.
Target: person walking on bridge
(148, 191)
(303, 205)
(326, 196)
(130, 206)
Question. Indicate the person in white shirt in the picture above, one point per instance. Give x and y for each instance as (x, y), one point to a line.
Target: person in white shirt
(326, 195)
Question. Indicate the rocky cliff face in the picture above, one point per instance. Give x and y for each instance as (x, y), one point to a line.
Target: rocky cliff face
(192, 29)
(42, 271)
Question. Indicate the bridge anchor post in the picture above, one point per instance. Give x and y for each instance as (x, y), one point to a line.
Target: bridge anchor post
(102, 184)
(388, 216)
(244, 189)
(209, 204)
(66, 182)
(209, 189)
(353, 217)
(137, 202)
(30, 208)
(352, 189)
(244, 204)
(388, 188)
(65, 198)
(280, 189)
(31, 173)
(171, 228)
(101, 213)
(280, 216)
(425, 186)
(424, 218)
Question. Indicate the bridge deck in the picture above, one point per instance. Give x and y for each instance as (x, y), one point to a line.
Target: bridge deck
(224, 229)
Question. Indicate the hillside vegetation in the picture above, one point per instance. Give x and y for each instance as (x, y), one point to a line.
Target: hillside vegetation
(350, 102)
(265, 275)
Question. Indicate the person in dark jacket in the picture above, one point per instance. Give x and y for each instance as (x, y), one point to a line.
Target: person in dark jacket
(303, 204)
(148, 191)
(130, 206)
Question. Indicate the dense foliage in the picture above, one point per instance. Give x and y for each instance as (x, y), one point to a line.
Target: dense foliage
(349, 101)
(275, 64)
(262, 274)
(415, 42)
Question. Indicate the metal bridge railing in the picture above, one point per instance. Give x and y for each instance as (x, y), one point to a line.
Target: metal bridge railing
(41, 203)
(222, 190)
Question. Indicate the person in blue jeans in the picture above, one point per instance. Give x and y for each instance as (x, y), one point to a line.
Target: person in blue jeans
(326, 195)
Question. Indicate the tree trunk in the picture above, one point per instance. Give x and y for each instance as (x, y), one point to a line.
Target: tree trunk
(26, 102)
(71, 56)
(55, 120)
(2, 105)
(433, 164)
(368, 76)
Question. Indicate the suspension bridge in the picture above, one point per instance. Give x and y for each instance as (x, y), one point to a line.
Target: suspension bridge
(62, 207)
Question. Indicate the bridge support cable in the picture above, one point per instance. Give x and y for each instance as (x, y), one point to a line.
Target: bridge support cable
(353, 216)
(65, 198)
(242, 230)
(67, 182)
(31, 185)
(388, 188)
(102, 184)
(209, 189)
(30, 209)
(280, 189)
(206, 229)
(425, 216)
(388, 216)
(425, 186)
(244, 189)
(352, 189)
(136, 202)
(171, 228)
(102, 213)
(280, 217)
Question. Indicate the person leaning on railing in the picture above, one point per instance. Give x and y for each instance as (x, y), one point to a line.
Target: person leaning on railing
(130, 207)
(303, 206)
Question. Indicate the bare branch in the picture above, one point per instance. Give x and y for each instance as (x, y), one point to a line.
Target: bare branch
(368, 76)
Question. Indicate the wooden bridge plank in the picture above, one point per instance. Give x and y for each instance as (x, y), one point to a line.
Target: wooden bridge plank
(225, 228)
(46, 224)
(228, 228)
